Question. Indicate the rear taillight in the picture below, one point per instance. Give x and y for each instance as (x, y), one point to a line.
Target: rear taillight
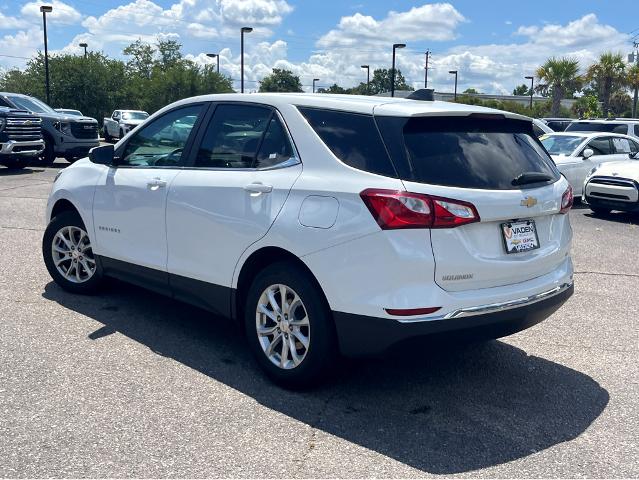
(396, 209)
(566, 200)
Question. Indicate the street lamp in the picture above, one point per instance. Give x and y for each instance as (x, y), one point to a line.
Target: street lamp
(532, 82)
(46, 9)
(426, 70)
(84, 45)
(215, 55)
(368, 79)
(243, 30)
(315, 80)
(395, 47)
(454, 72)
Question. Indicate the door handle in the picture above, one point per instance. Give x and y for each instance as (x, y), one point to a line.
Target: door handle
(258, 188)
(156, 183)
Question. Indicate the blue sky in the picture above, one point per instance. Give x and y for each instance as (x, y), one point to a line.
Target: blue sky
(493, 44)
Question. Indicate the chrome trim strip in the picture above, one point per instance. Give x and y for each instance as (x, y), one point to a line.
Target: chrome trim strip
(494, 307)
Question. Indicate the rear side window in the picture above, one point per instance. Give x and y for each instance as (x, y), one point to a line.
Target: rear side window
(622, 145)
(466, 152)
(353, 138)
(597, 127)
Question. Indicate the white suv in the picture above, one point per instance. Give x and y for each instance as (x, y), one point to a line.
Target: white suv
(326, 224)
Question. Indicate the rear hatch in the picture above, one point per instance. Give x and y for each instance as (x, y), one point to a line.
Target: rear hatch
(497, 165)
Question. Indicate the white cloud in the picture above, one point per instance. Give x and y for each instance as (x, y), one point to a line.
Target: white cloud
(62, 13)
(436, 22)
(12, 23)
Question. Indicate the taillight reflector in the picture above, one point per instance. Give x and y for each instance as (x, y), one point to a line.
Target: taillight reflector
(406, 312)
(567, 200)
(397, 209)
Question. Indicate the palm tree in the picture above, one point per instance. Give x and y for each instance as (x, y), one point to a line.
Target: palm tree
(609, 74)
(632, 79)
(558, 76)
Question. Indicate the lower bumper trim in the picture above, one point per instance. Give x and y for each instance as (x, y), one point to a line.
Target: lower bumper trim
(360, 335)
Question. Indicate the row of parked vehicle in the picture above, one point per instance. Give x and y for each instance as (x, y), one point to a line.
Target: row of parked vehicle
(600, 159)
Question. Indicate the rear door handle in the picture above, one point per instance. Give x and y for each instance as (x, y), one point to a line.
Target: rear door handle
(258, 188)
(156, 183)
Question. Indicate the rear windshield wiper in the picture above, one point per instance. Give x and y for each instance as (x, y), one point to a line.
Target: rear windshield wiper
(531, 177)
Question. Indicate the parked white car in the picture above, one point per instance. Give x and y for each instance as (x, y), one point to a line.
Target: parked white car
(122, 122)
(576, 153)
(540, 128)
(324, 223)
(617, 125)
(613, 186)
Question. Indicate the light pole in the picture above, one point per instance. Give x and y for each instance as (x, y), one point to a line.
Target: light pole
(315, 80)
(215, 55)
(426, 69)
(46, 9)
(634, 100)
(84, 45)
(395, 47)
(454, 72)
(243, 30)
(368, 79)
(532, 83)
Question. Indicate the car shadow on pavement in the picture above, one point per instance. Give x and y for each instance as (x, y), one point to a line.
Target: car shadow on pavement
(443, 411)
(9, 172)
(618, 217)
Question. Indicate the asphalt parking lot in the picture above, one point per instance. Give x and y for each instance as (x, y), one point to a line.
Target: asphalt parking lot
(131, 384)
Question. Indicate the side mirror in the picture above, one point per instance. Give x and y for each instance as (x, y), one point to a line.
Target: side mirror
(102, 155)
(587, 153)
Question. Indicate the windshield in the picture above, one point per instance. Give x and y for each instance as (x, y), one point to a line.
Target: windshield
(135, 116)
(31, 104)
(561, 145)
(468, 152)
(77, 113)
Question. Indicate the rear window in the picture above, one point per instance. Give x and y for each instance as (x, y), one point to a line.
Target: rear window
(468, 152)
(597, 127)
(353, 138)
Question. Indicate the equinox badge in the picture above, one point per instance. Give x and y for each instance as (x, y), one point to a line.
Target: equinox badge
(528, 202)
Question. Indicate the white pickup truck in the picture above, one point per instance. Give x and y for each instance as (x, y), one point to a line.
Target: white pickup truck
(121, 122)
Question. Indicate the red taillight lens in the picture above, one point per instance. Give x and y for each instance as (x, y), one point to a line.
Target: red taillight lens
(406, 312)
(395, 210)
(567, 200)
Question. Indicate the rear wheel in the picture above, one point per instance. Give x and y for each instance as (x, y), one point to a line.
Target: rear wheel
(68, 254)
(600, 210)
(289, 326)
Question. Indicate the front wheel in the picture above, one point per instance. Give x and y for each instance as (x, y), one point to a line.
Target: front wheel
(289, 326)
(15, 163)
(107, 137)
(68, 254)
(47, 156)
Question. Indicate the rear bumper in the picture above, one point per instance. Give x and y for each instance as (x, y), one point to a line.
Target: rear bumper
(363, 335)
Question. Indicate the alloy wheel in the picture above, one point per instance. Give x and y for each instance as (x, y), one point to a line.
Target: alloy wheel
(73, 255)
(283, 327)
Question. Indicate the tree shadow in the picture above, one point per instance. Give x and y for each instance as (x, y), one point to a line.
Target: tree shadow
(441, 410)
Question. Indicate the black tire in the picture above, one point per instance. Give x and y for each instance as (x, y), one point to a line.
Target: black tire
(107, 137)
(15, 163)
(48, 155)
(121, 134)
(70, 159)
(67, 219)
(600, 211)
(322, 347)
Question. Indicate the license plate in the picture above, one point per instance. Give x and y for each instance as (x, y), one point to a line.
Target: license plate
(520, 236)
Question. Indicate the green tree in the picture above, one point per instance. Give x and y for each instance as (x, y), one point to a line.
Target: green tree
(471, 91)
(281, 81)
(559, 77)
(335, 88)
(521, 90)
(141, 62)
(620, 104)
(586, 107)
(632, 80)
(381, 81)
(608, 75)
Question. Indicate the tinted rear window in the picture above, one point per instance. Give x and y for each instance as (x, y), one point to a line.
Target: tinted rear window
(353, 138)
(597, 127)
(465, 152)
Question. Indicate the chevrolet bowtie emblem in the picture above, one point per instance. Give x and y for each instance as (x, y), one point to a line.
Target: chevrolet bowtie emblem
(528, 202)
